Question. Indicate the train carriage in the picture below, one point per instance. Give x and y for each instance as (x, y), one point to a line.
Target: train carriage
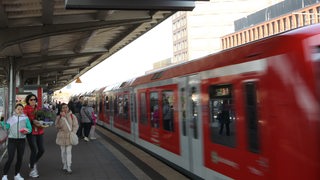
(250, 112)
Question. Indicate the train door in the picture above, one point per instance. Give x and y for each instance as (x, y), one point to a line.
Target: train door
(190, 123)
(256, 162)
(221, 132)
(232, 135)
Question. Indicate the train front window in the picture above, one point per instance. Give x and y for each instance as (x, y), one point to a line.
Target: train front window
(222, 116)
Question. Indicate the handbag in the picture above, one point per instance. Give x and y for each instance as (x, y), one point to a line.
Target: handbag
(74, 140)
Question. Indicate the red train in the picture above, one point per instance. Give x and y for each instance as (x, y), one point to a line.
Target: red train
(251, 112)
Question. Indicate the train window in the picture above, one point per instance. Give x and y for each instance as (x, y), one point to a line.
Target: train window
(252, 116)
(184, 111)
(167, 110)
(125, 107)
(154, 109)
(156, 75)
(115, 106)
(120, 106)
(222, 116)
(194, 110)
(111, 105)
(316, 54)
(143, 109)
(107, 103)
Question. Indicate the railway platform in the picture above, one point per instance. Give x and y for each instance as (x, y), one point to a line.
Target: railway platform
(107, 157)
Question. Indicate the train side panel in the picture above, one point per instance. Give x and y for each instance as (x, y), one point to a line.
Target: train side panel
(251, 112)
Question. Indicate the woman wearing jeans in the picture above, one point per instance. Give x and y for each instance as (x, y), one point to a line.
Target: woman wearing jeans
(35, 139)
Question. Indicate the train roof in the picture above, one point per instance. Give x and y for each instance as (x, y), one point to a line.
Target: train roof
(250, 51)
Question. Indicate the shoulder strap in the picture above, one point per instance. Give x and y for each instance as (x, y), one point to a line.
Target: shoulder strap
(65, 120)
(86, 112)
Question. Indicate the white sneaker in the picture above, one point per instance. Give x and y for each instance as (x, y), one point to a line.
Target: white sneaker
(64, 167)
(18, 177)
(69, 169)
(4, 177)
(34, 173)
(86, 139)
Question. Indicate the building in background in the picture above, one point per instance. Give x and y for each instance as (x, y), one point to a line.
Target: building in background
(283, 16)
(198, 33)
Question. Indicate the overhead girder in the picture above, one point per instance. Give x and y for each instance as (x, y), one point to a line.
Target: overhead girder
(13, 36)
(178, 5)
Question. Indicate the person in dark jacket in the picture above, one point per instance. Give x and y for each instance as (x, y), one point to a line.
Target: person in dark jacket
(224, 118)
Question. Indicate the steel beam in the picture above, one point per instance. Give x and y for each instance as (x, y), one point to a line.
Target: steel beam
(176, 5)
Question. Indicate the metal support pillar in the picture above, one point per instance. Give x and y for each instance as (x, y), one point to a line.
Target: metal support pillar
(12, 85)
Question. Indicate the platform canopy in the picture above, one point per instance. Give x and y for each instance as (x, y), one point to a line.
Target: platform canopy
(52, 42)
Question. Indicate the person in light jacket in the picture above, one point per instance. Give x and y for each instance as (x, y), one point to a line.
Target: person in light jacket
(63, 135)
(18, 125)
(86, 119)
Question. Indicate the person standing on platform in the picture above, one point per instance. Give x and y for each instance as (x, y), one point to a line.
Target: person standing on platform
(63, 135)
(77, 110)
(71, 105)
(92, 135)
(18, 126)
(35, 139)
(86, 121)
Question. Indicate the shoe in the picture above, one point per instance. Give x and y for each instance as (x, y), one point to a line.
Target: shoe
(34, 173)
(69, 169)
(34, 166)
(64, 167)
(18, 177)
(4, 177)
(86, 139)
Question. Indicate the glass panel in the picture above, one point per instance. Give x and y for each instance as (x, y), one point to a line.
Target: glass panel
(126, 106)
(194, 105)
(222, 116)
(107, 103)
(252, 117)
(167, 110)
(115, 106)
(154, 109)
(106, 106)
(120, 106)
(183, 110)
(111, 105)
(143, 109)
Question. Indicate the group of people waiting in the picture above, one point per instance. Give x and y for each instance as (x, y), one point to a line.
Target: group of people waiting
(86, 117)
(24, 125)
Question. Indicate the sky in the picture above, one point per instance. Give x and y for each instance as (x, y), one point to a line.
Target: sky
(131, 61)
